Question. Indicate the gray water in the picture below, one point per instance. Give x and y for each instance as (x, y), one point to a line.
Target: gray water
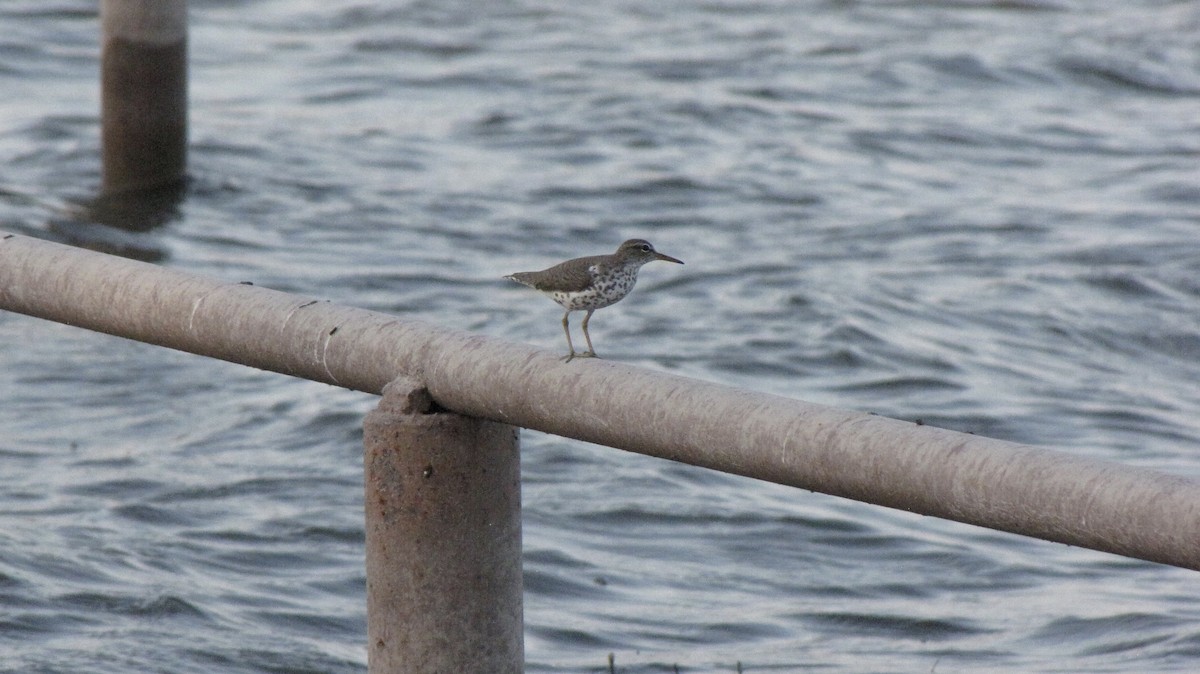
(982, 215)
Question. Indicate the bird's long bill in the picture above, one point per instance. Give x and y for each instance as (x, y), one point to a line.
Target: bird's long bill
(666, 258)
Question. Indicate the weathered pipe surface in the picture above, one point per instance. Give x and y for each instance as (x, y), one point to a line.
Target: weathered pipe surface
(143, 98)
(1002, 485)
(443, 514)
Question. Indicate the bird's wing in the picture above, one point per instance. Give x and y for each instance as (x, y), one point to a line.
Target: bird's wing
(572, 275)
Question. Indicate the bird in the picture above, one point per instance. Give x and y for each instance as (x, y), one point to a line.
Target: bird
(591, 283)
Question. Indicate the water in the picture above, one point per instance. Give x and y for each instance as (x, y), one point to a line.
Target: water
(981, 215)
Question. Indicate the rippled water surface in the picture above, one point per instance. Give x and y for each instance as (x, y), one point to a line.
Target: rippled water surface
(983, 215)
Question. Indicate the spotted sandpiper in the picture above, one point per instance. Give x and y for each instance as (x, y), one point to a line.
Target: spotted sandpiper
(591, 283)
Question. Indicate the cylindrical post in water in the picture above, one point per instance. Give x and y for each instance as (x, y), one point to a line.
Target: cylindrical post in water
(443, 515)
(143, 94)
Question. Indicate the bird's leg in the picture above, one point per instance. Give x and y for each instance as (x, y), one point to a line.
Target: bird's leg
(591, 353)
(567, 330)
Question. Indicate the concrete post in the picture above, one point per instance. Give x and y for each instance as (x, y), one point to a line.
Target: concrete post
(143, 94)
(443, 514)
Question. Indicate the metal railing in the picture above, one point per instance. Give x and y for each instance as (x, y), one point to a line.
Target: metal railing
(440, 373)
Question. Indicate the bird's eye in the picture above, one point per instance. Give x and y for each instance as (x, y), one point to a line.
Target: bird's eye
(646, 248)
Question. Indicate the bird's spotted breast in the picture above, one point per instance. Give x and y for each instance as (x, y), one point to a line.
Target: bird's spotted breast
(605, 289)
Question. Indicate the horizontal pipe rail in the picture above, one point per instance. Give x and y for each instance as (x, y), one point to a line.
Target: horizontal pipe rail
(1026, 490)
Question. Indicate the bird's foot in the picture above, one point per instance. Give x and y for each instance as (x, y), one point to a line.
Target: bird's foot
(579, 354)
